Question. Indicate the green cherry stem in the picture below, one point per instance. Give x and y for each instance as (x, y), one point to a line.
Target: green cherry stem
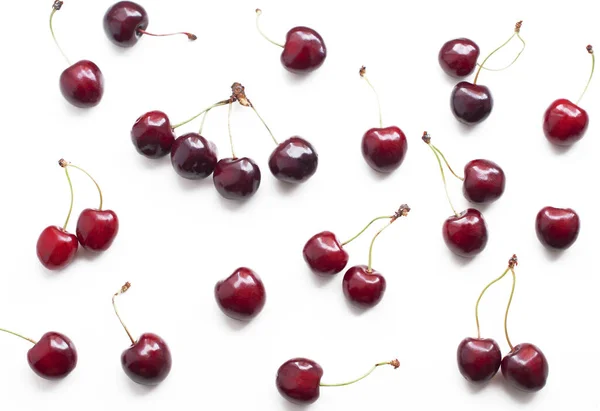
(66, 164)
(220, 103)
(56, 7)
(123, 289)
(363, 74)
(512, 293)
(265, 124)
(447, 163)
(229, 129)
(427, 139)
(402, 212)
(258, 13)
(63, 164)
(393, 363)
(384, 217)
(18, 335)
(591, 51)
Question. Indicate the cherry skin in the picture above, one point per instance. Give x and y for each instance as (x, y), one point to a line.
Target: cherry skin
(557, 228)
(97, 229)
(484, 181)
(193, 157)
(294, 161)
(526, 368)
(53, 357)
(478, 359)
(82, 84)
(123, 21)
(384, 149)
(466, 235)
(363, 287)
(236, 178)
(148, 361)
(56, 248)
(152, 134)
(298, 380)
(471, 103)
(242, 295)
(565, 123)
(304, 50)
(324, 254)
(458, 57)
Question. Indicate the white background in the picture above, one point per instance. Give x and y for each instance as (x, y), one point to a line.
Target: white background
(178, 238)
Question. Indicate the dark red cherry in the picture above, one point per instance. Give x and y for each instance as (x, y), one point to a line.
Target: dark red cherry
(152, 134)
(557, 227)
(148, 361)
(123, 22)
(384, 148)
(82, 84)
(363, 287)
(298, 380)
(471, 103)
(97, 229)
(304, 50)
(236, 178)
(458, 57)
(56, 248)
(53, 357)
(526, 368)
(193, 157)
(294, 161)
(324, 254)
(565, 123)
(484, 181)
(242, 295)
(478, 359)
(466, 235)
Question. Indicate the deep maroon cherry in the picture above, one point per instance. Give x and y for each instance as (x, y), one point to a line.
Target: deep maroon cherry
(484, 181)
(363, 286)
(242, 295)
(458, 57)
(53, 357)
(236, 178)
(478, 359)
(557, 227)
(324, 254)
(471, 103)
(294, 161)
(152, 134)
(56, 247)
(193, 157)
(525, 368)
(304, 49)
(97, 229)
(466, 234)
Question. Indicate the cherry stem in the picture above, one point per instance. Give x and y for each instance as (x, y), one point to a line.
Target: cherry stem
(393, 363)
(190, 36)
(363, 74)
(220, 103)
(512, 293)
(513, 62)
(481, 296)
(229, 129)
(18, 335)
(123, 289)
(402, 212)
(202, 123)
(517, 34)
(427, 139)
(366, 227)
(66, 164)
(72, 195)
(258, 13)
(265, 124)
(591, 51)
(56, 7)
(447, 163)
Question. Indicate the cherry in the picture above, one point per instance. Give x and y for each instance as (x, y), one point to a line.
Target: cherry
(242, 295)
(82, 83)
(125, 22)
(294, 161)
(148, 360)
(304, 50)
(324, 254)
(383, 148)
(484, 181)
(525, 368)
(53, 357)
(152, 134)
(458, 57)
(193, 157)
(557, 228)
(299, 379)
(564, 122)
(236, 178)
(478, 359)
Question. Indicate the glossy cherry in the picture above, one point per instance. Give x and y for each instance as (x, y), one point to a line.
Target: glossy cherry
(242, 295)
(236, 178)
(557, 228)
(478, 359)
(458, 57)
(363, 286)
(56, 247)
(97, 229)
(324, 254)
(152, 134)
(466, 233)
(304, 49)
(294, 161)
(484, 181)
(526, 368)
(193, 157)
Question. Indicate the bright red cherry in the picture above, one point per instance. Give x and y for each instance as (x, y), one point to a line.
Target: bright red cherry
(242, 295)
(97, 229)
(236, 178)
(363, 286)
(304, 50)
(294, 161)
(193, 157)
(526, 368)
(557, 228)
(458, 57)
(324, 254)
(484, 181)
(466, 234)
(152, 134)
(478, 359)
(56, 247)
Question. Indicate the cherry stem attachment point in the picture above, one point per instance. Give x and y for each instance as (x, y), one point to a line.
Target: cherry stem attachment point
(56, 7)
(363, 74)
(220, 103)
(393, 363)
(402, 212)
(591, 51)
(229, 129)
(385, 217)
(190, 36)
(18, 335)
(123, 289)
(427, 139)
(66, 164)
(258, 13)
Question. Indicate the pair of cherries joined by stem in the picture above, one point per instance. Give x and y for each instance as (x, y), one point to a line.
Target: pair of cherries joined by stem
(299, 379)
(484, 181)
(96, 231)
(304, 50)
(525, 367)
(193, 157)
(326, 256)
(471, 103)
(242, 295)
